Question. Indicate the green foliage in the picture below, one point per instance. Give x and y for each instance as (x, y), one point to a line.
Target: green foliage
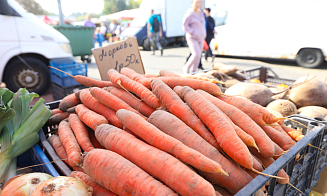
(113, 6)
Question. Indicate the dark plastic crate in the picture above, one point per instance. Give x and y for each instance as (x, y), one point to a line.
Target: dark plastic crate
(71, 67)
(59, 92)
(305, 173)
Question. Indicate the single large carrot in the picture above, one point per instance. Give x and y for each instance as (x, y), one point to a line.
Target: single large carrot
(80, 132)
(279, 138)
(55, 142)
(141, 91)
(68, 102)
(57, 118)
(134, 102)
(89, 101)
(89, 117)
(155, 137)
(242, 120)
(87, 81)
(192, 83)
(173, 126)
(166, 73)
(255, 111)
(56, 111)
(131, 74)
(70, 144)
(177, 107)
(121, 176)
(219, 126)
(98, 190)
(157, 163)
(111, 101)
(267, 162)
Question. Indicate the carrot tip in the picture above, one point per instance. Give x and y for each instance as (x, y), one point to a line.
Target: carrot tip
(221, 171)
(254, 145)
(277, 177)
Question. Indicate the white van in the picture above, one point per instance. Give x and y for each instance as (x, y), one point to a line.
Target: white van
(293, 29)
(26, 46)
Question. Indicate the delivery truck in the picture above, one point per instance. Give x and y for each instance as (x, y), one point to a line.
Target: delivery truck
(27, 45)
(171, 13)
(294, 29)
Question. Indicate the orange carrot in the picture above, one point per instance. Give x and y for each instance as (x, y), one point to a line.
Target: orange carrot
(177, 107)
(151, 75)
(56, 111)
(138, 105)
(278, 151)
(255, 111)
(192, 83)
(157, 163)
(141, 91)
(267, 162)
(89, 117)
(111, 100)
(70, 144)
(155, 137)
(279, 138)
(98, 190)
(131, 74)
(55, 142)
(81, 133)
(94, 140)
(219, 126)
(89, 82)
(57, 118)
(243, 121)
(173, 126)
(222, 191)
(68, 102)
(279, 128)
(121, 176)
(177, 90)
(165, 73)
(89, 101)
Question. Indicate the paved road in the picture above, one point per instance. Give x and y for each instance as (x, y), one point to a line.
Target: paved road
(174, 58)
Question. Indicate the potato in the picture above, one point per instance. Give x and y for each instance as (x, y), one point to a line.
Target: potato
(321, 110)
(227, 69)
(257, 93)
(285, 107)
(311, 114)
(311, 93)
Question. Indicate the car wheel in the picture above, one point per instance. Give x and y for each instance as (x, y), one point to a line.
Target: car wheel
(309, 58)
(35, 77)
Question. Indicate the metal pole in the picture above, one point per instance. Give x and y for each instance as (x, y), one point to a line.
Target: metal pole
(61, 16)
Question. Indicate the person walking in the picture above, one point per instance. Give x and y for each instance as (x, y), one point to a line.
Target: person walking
(154, 32)
(210, 33)
(195, 33)
(89, 23)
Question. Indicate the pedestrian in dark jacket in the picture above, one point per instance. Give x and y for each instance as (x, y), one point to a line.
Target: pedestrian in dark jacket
(210, 33)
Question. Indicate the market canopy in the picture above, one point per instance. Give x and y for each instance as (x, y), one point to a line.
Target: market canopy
(122, 15)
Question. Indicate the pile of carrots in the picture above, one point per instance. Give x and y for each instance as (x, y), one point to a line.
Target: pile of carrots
(163, 134)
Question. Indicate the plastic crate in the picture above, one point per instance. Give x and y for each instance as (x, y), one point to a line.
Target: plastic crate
(71, 67)
(59, 92)
(80, 38)
(266, 75)
(305, 173)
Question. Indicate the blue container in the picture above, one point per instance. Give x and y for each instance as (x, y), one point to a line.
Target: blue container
(71, 67)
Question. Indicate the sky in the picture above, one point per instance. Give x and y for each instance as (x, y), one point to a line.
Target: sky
(70, 6)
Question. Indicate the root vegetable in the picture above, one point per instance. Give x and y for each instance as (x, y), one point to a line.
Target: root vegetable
(284, 107)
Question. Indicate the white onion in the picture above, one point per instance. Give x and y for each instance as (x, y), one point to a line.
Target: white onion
(25, 185)
(63, 185)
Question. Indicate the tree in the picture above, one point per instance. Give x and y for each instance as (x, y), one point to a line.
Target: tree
(32, 7)
(113, 6)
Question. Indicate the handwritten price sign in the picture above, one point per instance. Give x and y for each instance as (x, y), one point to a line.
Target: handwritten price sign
(117, 56)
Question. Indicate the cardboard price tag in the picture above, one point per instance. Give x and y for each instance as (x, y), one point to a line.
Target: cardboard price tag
(117, 56)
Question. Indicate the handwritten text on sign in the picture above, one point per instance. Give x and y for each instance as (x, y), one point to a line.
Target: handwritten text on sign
(117, 56)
